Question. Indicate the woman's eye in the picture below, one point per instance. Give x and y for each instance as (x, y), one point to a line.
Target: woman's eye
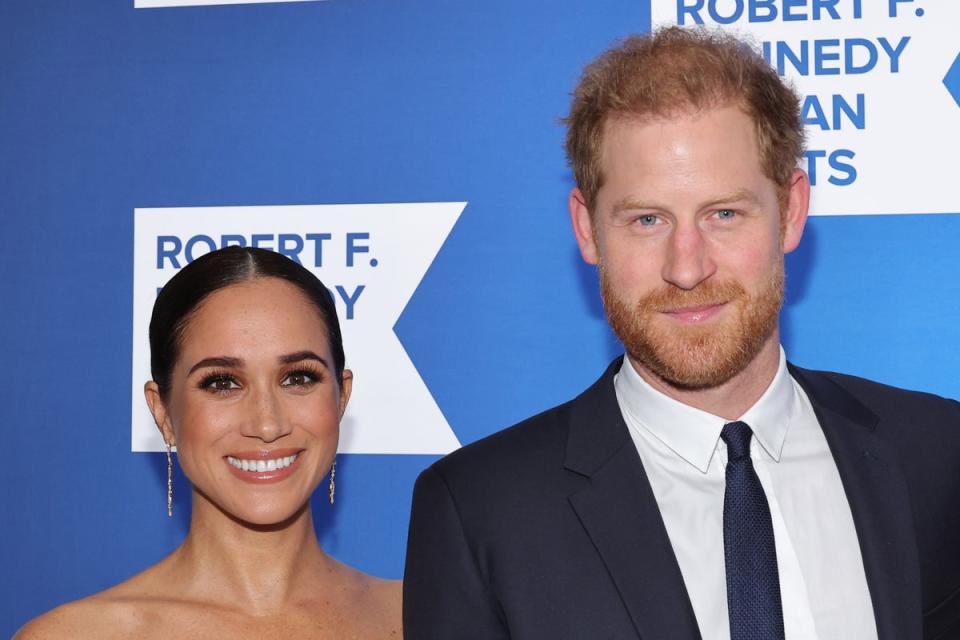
(726, 214)
(221, 383)
(299, 379)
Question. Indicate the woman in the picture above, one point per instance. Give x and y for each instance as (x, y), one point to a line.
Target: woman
(249, 384)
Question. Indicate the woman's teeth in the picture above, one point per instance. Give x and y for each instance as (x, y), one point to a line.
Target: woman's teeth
(259, 466)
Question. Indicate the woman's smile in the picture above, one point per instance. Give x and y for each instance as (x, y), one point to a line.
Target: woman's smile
(263, 467)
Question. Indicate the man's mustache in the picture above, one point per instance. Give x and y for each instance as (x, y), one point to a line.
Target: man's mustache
(670, 297)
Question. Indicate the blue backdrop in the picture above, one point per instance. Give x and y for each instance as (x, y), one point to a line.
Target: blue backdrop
(104, 108)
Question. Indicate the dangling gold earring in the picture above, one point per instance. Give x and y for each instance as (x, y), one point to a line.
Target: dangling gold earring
(169, 483)
(333, 472)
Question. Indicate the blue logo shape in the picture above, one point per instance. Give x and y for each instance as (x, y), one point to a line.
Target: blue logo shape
(952, 80)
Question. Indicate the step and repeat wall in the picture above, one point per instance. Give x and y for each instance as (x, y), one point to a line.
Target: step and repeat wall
(410, 154)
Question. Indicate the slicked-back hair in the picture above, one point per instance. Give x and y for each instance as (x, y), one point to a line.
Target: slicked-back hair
(183, 294)
(674, 71)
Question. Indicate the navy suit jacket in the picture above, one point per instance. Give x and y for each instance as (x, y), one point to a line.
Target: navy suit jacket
(550, 530)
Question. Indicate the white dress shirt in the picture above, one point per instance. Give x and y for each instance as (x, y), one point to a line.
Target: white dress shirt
(822, 583)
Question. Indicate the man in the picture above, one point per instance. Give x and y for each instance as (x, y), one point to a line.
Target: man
(702, 487)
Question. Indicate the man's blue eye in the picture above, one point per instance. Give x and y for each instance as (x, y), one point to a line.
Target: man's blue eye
(648, 220)
(726, 214)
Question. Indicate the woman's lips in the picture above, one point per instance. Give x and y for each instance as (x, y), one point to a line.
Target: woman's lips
(692, 315)
(263, 466)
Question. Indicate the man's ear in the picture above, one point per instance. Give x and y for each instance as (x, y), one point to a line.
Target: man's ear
(582, 223)
(797, 207)
(345, 388)
(151, 391)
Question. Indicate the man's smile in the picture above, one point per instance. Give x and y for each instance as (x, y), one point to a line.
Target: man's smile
(695, 314)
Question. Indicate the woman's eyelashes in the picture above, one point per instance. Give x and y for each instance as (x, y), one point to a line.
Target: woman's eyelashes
(219, 382)
(222, 382)
(302, 377)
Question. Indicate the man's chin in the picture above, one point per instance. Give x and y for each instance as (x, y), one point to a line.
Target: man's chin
(692, 357)
(689, 370)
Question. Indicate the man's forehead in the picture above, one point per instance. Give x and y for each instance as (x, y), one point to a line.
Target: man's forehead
(655, 140)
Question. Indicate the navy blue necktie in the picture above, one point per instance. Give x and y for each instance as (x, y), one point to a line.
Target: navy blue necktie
(753, 584)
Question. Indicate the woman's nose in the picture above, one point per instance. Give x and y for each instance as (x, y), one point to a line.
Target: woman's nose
(266, 419)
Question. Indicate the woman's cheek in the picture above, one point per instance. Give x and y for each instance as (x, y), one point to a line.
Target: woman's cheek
(201, 427)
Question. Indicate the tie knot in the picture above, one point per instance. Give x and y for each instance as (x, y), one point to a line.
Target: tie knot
(737, 436)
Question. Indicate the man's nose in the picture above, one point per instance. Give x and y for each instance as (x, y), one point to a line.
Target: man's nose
(687, 262)
(266, 419)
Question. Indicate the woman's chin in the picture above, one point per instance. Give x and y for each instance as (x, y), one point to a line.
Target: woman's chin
(265, 514)
(275, 516)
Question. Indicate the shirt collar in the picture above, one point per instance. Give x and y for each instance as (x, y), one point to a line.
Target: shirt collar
(693, 434)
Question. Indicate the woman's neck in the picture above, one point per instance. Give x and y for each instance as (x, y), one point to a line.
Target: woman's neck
(254, 568)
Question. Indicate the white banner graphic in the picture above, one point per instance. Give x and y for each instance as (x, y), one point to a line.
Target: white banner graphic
(881, 122)
(371, 257)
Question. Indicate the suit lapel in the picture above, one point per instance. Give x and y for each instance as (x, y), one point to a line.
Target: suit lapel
(620, 514)
(879, 502)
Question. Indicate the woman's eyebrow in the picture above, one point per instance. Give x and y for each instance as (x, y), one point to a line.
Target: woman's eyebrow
(302, 355)
(217, 361)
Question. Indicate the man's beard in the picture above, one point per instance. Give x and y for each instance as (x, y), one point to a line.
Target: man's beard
(695, 356)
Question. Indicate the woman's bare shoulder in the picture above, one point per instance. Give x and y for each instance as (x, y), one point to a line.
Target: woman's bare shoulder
(116, 612)
(98, 616)
(366, 586)
(389, 592)
(389, 597)
(379, 601)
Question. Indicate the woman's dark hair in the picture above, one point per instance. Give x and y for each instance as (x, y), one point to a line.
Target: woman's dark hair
(180, 297)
